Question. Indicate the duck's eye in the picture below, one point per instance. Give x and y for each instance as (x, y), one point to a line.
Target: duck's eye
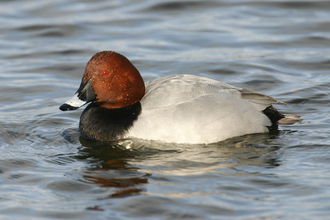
(105, 73)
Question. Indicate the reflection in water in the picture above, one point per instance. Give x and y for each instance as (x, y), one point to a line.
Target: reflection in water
(128, 165)
(225, 157)
(109, 167)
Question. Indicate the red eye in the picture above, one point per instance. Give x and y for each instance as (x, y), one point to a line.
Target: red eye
(105, 73)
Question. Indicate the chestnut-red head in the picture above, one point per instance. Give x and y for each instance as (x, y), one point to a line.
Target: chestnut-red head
(110, 80)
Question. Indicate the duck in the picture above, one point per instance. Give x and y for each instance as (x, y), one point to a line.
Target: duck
(187, 109)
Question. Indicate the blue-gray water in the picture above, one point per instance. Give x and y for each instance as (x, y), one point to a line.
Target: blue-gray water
(280, 48)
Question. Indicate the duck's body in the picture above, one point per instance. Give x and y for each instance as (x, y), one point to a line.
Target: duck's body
(193, 109)
(180, 108)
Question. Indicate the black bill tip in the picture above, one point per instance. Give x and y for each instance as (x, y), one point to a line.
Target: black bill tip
(66, 107)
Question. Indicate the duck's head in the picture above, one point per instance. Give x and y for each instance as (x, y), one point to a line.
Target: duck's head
(110, 80)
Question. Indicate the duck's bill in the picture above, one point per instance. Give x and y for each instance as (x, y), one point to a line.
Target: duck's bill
(84, 95)
(73, 103)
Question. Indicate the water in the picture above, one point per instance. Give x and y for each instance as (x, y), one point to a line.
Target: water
(280, 48)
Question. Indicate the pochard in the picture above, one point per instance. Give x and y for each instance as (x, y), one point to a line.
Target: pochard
(180, 108)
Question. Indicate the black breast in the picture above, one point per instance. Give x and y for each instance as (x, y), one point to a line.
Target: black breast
(103, 124)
